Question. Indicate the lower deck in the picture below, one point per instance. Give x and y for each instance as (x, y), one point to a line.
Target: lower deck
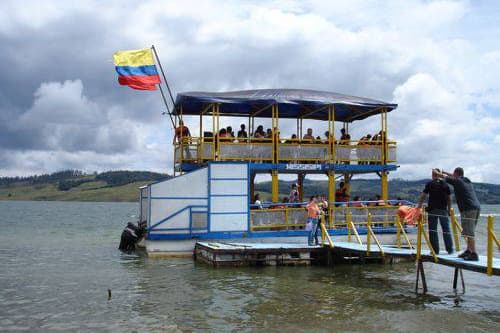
(241, 254)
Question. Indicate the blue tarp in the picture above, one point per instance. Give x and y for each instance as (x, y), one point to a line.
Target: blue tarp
(292, 103)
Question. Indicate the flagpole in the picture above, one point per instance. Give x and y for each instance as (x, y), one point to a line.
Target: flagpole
(163, 74)
(166, 104)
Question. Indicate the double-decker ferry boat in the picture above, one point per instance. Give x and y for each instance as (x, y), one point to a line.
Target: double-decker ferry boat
(211, 194)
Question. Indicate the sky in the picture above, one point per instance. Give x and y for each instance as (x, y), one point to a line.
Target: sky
(62, 108)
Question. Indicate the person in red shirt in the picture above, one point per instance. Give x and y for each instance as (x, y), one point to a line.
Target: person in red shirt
(341, 195)
(181, 133)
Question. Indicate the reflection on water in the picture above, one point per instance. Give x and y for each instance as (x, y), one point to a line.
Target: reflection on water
(57, 261)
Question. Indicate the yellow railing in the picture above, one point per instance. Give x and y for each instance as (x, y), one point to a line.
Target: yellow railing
(422, 221)
(381, 215)
(197, 150)
(490, 239)
(293, 218)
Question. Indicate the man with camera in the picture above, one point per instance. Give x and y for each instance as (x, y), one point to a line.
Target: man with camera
(437, 209)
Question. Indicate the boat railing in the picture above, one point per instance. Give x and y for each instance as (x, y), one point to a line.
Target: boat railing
(199, 150)
(292, 216)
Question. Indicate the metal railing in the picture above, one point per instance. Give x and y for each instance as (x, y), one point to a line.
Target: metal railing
(198, 150)
(286, 216)
(456, 229)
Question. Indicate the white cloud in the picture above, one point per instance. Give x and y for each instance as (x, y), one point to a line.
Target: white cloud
(430, 57)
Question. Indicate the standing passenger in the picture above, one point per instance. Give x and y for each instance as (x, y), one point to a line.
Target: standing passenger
(469, 208)
(312, 219)
(294, 193)
(438, 207)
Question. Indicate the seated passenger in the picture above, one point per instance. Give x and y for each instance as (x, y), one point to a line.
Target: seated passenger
(329, 137)
(257, 202)
(309, 136)
(181, 132)
(357, 202)
(379, 200)
(223, 134)
(344, 136)
(229, 131)
(269, 134)
(259, 132)
(284, 200)
(242, 133)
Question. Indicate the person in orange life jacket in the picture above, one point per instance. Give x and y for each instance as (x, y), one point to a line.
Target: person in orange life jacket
(313, 212)
(341, 194)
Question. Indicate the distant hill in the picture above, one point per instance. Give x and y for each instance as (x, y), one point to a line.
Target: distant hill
(367, 188)
(75, 185)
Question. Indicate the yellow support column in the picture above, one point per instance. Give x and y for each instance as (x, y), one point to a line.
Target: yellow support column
(419, 238)
(384, 187)
(331, 197)
(454, 229)
(398, 230)
(489, 257)
(275, 188)
(368, 227)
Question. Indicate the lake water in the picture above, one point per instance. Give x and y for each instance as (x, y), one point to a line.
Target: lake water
(58, 259)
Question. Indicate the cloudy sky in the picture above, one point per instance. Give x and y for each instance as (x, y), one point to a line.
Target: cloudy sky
(61, 107)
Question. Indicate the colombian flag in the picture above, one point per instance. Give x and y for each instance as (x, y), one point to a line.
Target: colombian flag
(136, 69)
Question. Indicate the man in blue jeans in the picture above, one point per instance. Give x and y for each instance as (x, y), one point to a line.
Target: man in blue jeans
(437, 209)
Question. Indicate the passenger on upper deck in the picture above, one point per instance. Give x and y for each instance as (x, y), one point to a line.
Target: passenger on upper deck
(269, 133)
(328, 137)
(230, 132)
(309, 135)
(242, 133)
(259, 132)
(344, 137)
(181, 132)
(223, 134)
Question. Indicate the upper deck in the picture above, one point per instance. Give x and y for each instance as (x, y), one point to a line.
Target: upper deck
(279, 105)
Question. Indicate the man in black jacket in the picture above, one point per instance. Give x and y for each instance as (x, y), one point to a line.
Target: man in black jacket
(438, 207)
(469, 208)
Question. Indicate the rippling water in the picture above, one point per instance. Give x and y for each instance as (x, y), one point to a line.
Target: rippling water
(58, 259)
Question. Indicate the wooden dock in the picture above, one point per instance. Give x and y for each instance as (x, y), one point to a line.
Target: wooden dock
(257, 254)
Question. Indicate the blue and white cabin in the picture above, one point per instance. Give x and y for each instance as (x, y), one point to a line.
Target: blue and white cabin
(211, 195)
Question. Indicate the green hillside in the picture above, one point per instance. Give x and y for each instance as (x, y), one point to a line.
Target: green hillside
(74, 185)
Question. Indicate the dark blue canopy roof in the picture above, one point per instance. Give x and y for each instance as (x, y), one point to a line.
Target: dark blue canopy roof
(292, 103)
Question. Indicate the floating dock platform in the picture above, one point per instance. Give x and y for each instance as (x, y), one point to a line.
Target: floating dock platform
(275, 254)
(258, 254)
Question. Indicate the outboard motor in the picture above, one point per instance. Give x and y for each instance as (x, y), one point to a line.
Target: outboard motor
(131, 235)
